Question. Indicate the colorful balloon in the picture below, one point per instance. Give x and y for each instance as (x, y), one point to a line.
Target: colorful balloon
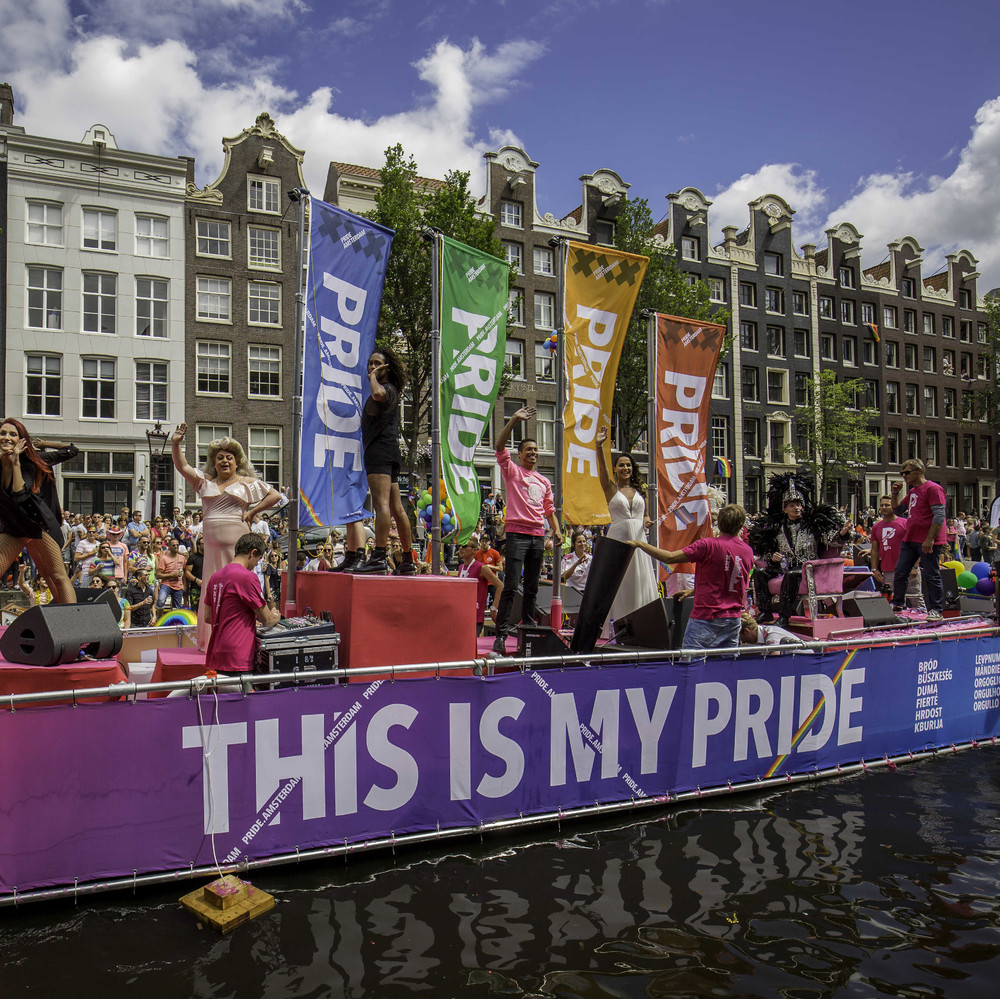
(967, 581)
(986, 586)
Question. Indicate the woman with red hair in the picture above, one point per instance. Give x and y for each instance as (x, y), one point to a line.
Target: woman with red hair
(30, 515)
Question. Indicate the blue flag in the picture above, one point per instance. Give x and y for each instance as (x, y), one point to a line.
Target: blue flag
(347, 261)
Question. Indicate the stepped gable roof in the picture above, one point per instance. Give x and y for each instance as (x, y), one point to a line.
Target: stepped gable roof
(879, 271)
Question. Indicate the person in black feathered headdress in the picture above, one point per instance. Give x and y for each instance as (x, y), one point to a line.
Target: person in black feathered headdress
(794, 530)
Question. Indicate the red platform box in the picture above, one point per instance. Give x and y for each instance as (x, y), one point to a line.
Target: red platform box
(393, 620)
(174, 665)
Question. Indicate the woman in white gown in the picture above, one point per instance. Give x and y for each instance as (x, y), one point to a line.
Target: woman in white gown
(626, 496)
(231, 493)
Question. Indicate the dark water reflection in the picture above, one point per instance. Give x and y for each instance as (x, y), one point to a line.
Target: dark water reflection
(884, 884)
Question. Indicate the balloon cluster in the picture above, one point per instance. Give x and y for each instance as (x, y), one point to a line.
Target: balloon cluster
(425, 509)
(551, 342)
(974, 580)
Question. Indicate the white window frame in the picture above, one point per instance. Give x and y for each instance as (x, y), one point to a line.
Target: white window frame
(515, 307)
(514, 255)
(545, 310)
(100, 226)
(49, 290)
(151, 381)
(49, 374)
(268, 292)
(689, 248)
(214, 360)
(263, 195)
(204, 434)
(261, 360)
(103, 376)
(511, 213)
(783, 401)
(269, 240)
(152, 236)
(265, 449)
(514, 359)
(214, 299)
(106, 294)
(49, 223)
(206, 238)
(545, 363)
(774, 265)
(152, 306)
(545, 426)
(543, 260)
(716, 289)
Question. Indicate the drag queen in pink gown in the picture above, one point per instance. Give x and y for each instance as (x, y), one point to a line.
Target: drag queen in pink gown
(231, 493)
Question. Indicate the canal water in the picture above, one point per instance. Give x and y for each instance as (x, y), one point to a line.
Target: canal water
(880, 884)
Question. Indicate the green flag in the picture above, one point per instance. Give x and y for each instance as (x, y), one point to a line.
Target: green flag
(473, 342)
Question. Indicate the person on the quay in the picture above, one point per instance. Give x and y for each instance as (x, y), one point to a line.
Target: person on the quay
(472, 568)
(30, 515)
(794, 530)
(170, 576)
(383, 460)
(140, 596)
(722, 573)
(231, 493)
(924, 539)
(234, 606)
(194, 572)
(576, 563)
(529, 506)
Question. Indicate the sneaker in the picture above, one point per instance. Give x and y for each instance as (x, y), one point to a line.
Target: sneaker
(375, 566)
(500, 646)
(405, 568)
(934, 615)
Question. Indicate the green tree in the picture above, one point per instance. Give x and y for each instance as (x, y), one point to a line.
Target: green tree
(410, 205)
(836, 429)
(664, 289)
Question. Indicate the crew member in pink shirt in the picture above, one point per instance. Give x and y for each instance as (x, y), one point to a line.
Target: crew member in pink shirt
(720, 581)
(529, 506)
(234, 606)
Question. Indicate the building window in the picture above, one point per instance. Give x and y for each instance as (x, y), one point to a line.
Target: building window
(720, 385)
(751, 385)
(846, 277)
(775, 341)
(716, 289)
(604, 232)
(214, 239)
(97, 388)
(45, 225)
(910, 357)
(100, 298)
(930, 401)
(545, 310)
(777, 382)
(214, 364)
(800, 340)
(150, 390)
(908, 287)
(889, 317)
(515, 307)
(778, 434)
(948, 362)
(965, 360)
(510, 214)
(545, 364)
(513, 255)
(891, 354)
(929, 323)
(825, 307)
(828, 347)
(847, 312)
(264, 371)
(265, 452)
(849, 346)
(802, 384)
(751, 437)
(911, 400)
(968, 451)
(869, 352)
(930, 360)
(748, 336)
(204, 435)
(893, 442)
(545, 426)
(981, 332)
(892, 397)
(544, 260)
(909, 321)
(510, 407)
(263, 248)
(720, 437)
(263, 303)
(514, 358)
(689, 248)
(950, 402)
(748, 294)
(150, 307)
(800, 303)
(964, 298)
(931, 447)
(947, 326)
(215, 300)
(912, 444)
(100, 230)
(867, 313)
(43, 384)
(45, 298)
(774, 300)
(152, 236)
(950, 450)
(263, 195)
(965, 331)
(984, 452)
(773, 264)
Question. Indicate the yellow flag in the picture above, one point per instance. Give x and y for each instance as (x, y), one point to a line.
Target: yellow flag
(601, 288)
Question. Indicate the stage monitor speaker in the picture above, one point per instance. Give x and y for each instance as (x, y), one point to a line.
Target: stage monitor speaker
(55, 634)
(950, 580)
(970, 603)
(873, 607)
(648, 627)
(607, 570)
(682, 613)
(536, 641)
(86, 595)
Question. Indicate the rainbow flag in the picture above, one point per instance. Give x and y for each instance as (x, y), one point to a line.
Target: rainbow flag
(874, 330)
(724, 469)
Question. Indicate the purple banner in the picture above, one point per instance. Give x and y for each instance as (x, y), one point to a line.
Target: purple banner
(102, 790)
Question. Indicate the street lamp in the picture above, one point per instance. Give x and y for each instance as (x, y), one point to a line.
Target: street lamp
(156, 440)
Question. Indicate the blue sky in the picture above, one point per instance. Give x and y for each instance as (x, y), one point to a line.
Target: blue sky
(884, 113)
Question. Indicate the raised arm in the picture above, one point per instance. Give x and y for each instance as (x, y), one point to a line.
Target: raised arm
(522, 415)
(603, 472)
(177, 454)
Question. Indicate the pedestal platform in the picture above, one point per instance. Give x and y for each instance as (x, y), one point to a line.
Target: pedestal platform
(393, 620)
(173, 665)
(821, 629)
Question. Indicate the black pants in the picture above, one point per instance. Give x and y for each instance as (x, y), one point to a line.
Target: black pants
(788, 597)
(523, 551)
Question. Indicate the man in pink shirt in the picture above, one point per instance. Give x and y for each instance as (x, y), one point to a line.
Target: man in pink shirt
(720, 581)
(924, 538)
(887, 536)
(529, 506)
(234, 606)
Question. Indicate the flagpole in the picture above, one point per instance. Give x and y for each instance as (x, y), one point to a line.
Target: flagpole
(436, 497)
(559, 354)
(651, 341)
(300, 195)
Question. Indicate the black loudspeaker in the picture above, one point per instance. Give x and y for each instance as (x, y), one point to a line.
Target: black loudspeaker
(682, 612)
(535, 641)
(86, 595)
(950, 580)
(873, 607)
(55, 634)
(607, 570)
(649, 627)
(970, 603)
